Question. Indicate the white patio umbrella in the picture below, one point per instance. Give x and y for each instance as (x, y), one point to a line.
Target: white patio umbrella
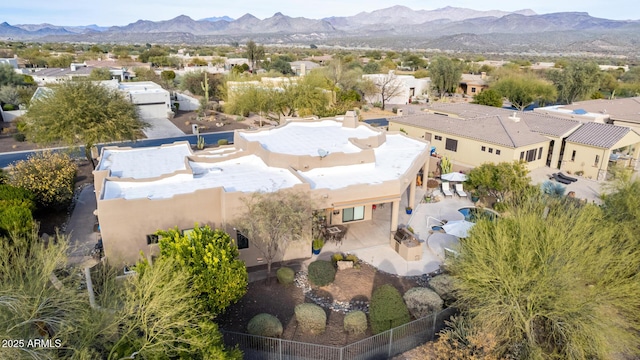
(458, 228)
(454, 176)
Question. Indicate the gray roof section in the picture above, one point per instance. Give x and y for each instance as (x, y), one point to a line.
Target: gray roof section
(84, 70)
(494, 129)
(548, 124)
(598, 135)
(466, 110)
(626, 109)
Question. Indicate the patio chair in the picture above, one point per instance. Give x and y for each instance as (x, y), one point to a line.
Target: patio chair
(460, 191)
(445, 189)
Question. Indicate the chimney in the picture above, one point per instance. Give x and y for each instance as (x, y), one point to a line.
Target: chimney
(303, 69)
(483, 75)
(350, 120)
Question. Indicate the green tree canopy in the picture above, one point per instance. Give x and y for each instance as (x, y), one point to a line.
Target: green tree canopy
(82, 113)
(551, 283)
(99, 74)
(9, 77)
(211, 260)
(445, 75)
(503, 180)
(576, 81)
(524, 90)
(488, 97)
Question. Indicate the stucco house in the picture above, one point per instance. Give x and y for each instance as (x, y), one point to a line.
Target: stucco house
(472, 85)
(471, 135)
(345, 166)
(410, 88)
(151, 100)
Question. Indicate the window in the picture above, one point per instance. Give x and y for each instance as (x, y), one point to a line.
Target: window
(353, 214)
(438, 137)
(540, 153)
(573, 156)
(497, 152)
(597, 160)
(241, 240)
(522, 155)
(153, 239)
(484, 148)
(490, 150)
(473, 89)
(451, 145)
(531, 155)
(187, 233)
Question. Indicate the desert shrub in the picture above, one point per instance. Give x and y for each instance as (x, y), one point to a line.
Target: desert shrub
(15, 219)
(321, 273)
(285, 275)
(500, 206)
(337, 257)
(19, 137)
(387, 310)
(50, 176)
(17, 196)
(311, 318)
(8, 107)
(443, 286)
(394, 110)
(265, 325)
(355, 322)
(223, 142)
(422, 301)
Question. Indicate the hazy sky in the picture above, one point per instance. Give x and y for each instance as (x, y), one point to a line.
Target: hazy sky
(122, 12)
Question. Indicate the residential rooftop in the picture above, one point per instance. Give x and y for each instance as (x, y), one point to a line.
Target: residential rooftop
(598, 135)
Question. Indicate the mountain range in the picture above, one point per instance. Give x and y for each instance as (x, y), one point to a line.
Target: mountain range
(393, 26)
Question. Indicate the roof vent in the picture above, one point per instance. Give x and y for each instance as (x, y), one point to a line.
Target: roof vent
(514, 117)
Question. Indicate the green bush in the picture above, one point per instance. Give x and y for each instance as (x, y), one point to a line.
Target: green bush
(387, 310)
(50, 176)
(265, 325)
(223, 142)
(19, 137)
(8, 107)
(500, 206)
(311, 318)
(17, 196)
(443, 286)
(15, 219)
(285, 275)
(422, 301)
(321, 273)
(336, 257)
(355, 322)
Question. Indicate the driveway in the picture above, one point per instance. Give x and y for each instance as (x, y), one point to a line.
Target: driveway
(161, 128)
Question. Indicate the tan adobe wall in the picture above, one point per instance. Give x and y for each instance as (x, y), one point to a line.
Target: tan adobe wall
(585, 160)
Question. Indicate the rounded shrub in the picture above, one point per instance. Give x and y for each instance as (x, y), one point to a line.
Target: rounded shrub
(311, 318)
(19, 137)
(443, 286)
(355, 322)
(387, 309)
(422, 301)
(265, 325)
(321, 272)
(285, 275)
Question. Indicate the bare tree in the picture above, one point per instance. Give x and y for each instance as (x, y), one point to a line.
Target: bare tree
(274, 219)
(388, 87)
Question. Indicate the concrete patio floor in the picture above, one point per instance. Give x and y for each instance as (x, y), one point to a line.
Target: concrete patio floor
(370, 240)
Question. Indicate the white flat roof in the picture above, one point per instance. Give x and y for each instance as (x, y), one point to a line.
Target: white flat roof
(305, 138)
(244, 174)
(144, 163)
(393, 159)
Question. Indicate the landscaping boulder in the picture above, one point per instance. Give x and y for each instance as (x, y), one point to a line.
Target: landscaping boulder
(422, 301)
(343, 265)
(443, 286)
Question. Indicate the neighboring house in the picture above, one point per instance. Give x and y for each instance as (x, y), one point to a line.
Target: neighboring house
(151, 100)
(345, 166)
(231, 63)
(301, 68)
(411, 89)
(472, 134)
(44, 76)
(9, 61)
(472, 85)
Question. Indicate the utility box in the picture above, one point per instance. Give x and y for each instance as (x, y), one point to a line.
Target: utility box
(194, 129)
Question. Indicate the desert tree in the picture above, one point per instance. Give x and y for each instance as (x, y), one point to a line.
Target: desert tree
(211, 259)
(9, 77)
(504, 181)
(524, 90)
(552, 280)
(445, 75)
(488, 97)
(388, 87)
(255, 53)
(99, 74)
(576, 81)
(274, 220)
(84, 113)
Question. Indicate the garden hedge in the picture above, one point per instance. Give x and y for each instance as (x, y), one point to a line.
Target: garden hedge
(355, 322)
(387, 309)
(321, 272)
(311, 318)
(265, 325)
(422, 301)
(285, 275)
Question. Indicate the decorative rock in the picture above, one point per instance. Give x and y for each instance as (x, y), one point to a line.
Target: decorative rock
(343, 265)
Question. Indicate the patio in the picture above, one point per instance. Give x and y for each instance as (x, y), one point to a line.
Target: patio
(370, 240)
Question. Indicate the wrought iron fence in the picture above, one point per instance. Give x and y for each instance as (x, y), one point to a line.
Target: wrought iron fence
(381, 346)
